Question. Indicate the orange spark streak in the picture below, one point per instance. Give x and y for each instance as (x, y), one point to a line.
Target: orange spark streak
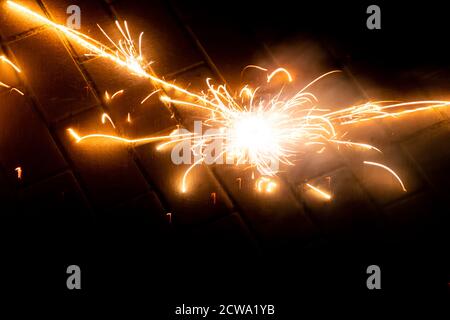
(319, 78)
(116, 94)
(254, 66)
(269, 77)
(265, 184)
(4, 85)
(183, 182)
(6, 60)
(122, 56)
(362, 145)
(151, 94)
(79, 138)
(18, 91)
(323, 194)
(16, 68)
(388, 169)
(376, 110)
(290, 121)
(19, 172)
(247, 91)
(105, 117)
(239, 180)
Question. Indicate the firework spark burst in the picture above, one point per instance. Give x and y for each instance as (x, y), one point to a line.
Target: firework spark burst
(4, 59)
(257, 129)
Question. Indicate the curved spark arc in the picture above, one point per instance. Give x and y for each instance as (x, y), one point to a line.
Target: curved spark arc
(265, 184)
(79, 138)
(6, 60)
(389, 170)
(124, 56)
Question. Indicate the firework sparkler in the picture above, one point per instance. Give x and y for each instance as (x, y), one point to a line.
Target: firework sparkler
(255, 129)
(4, 59)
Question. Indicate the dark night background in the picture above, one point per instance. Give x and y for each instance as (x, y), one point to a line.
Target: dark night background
(104, 209)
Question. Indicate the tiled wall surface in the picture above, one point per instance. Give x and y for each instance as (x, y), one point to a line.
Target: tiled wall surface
(65, 89)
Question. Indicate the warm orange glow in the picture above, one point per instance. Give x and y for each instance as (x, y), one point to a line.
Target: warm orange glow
(19, 172)
(125, 55)
(105, 117)
(186, 173)
(79, 138)
(18, 91)
(362, 145)
(148, 97)
(319, 192)
(117, 94)
(257, 131)
(16, 68)
(377, 110)
(239, 180)
(6, 60)
(279, 70)
(389, 170)
(265, 184)
(255, 67)
(4, 85)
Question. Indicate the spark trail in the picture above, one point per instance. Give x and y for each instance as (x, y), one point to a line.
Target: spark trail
(257, 131)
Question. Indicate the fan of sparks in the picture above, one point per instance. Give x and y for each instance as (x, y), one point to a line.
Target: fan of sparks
(256, 129)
